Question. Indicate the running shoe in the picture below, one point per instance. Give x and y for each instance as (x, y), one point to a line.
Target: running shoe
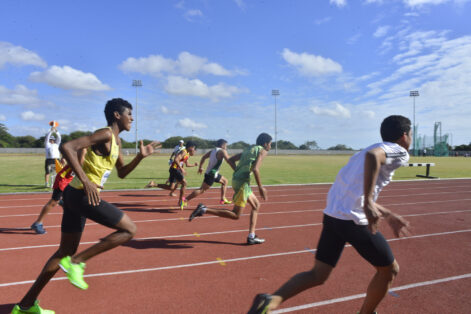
(260, 304)
(35, 309)
(255, 240)
(38, 228)
(151, 184)
(183, 204)
(199, 211)
(225, 201)
(74, 272)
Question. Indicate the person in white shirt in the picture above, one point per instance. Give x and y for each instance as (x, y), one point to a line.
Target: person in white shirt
(52, 152)
(176, 150)
(352, 215)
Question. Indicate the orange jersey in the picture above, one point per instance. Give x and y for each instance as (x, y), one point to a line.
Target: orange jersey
(186, 155)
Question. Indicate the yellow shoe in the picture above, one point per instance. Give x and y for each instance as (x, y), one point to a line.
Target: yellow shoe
(35, 309)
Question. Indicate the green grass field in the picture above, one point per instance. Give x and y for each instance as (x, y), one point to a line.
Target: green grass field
(25, 173)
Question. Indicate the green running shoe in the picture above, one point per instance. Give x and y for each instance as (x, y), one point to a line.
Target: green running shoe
(74, 272)
(36, 309)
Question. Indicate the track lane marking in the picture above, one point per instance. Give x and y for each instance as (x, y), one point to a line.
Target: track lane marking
(362, 295)
(237, 259)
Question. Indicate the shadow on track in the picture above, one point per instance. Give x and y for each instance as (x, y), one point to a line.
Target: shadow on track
(16, 231)
(171, 244)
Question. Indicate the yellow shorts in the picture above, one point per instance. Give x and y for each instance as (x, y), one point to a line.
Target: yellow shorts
(242, 191)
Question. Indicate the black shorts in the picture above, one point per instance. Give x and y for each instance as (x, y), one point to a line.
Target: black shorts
(175, 175)
(56, 194)
(209, 179)
(77, 210)
(336, 232)
(49, 161)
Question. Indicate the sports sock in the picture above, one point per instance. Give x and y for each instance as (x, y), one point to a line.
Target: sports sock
(251, 235)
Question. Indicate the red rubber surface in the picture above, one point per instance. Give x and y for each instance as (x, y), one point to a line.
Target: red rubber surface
(172, 265)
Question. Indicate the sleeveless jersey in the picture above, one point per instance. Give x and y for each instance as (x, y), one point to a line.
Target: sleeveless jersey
(186, 155)
(244, 167)
(214, 163)
(98, 168)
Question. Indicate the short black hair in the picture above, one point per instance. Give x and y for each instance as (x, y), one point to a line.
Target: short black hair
(221, 142)
(190, 144)
(394, 127)
(115, 104)
(263, 139)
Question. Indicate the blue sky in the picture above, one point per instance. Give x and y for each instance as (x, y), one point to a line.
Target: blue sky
(208, 67)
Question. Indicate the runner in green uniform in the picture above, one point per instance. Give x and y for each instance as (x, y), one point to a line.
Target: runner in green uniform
(250, 160)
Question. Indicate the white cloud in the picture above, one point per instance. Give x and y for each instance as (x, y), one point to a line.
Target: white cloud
(369, 114)
(20, 95)
(190, 15)
(70, 79)
(353, 39)
(166, 110)
(338, 3)
(187, 64)
(29, 115)
(311, 65)
(190, 124)
(337, 111)
(18, 55)
(381, 31)
(241, 4)
(178, 85)
(3, 117)
(418, 3)
(323, 20)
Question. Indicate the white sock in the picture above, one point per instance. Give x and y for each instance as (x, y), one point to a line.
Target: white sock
(204, 209)
(251, 235)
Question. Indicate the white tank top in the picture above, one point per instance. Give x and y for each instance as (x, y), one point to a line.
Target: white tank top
(214, 163)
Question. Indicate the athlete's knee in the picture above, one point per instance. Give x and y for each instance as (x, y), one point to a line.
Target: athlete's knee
(131, 229)
(390, 272)
(237, 213)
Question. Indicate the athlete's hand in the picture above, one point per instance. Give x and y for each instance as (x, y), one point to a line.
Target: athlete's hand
(263, 193)
(398, 224)
(91, 190)
(373, 215)
(196, 164)
(200, 170)
(149, 149)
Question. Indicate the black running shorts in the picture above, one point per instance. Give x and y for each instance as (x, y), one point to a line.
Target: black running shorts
(175, 175)
(77, 210)
(209, 179)
(336, 232)
(47, 163)
(56, 194)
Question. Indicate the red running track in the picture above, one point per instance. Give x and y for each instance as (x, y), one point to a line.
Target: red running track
(173, 266)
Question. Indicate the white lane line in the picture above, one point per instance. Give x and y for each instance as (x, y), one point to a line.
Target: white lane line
(282, 202)
(133, 271)
(167, 236)
(362, 295)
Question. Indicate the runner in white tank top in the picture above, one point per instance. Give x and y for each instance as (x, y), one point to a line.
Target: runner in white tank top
(216, 157)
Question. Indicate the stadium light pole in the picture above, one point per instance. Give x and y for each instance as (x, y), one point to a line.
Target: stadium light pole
(413, 94)
(136, 84)
(275, 93)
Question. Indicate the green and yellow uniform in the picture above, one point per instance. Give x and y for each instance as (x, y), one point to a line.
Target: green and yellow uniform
(241, 176)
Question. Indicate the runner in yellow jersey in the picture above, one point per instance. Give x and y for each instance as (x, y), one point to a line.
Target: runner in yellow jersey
(82, 200)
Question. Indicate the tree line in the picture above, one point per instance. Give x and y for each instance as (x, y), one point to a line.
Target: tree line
(28, 141)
